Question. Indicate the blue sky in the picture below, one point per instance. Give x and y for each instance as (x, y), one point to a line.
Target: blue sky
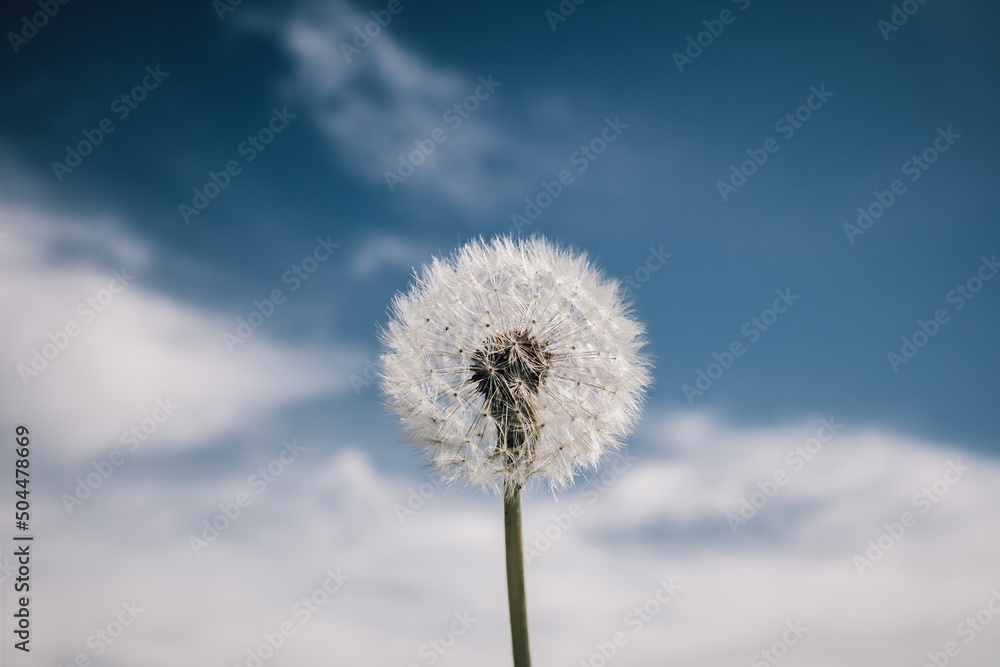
(715, 182)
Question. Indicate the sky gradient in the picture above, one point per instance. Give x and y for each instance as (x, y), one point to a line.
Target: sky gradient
(205, 209)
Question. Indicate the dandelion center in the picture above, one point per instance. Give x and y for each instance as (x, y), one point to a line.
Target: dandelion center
(508, 371)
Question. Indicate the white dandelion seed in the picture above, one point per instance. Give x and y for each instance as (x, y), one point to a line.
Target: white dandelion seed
(508, 360)
(512, 359)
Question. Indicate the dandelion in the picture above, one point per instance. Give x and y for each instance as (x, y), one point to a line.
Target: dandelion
(512, 360)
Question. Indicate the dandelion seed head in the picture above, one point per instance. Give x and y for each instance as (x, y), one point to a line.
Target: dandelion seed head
(512, 360)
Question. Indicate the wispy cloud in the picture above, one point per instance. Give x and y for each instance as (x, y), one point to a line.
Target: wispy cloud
(658, 517)
(388, 250)
(375, 107)
(89, 347)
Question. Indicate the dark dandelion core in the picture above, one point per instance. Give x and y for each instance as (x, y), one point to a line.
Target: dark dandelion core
(508, 371)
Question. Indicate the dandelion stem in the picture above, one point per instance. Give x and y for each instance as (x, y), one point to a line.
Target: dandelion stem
(515, 575)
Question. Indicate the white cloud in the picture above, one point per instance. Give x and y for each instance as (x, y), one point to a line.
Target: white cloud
(375, 107)
(388, 250)
(663, 517)
(131, 347)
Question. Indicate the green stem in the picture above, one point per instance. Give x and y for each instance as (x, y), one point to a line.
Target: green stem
(515, 576)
